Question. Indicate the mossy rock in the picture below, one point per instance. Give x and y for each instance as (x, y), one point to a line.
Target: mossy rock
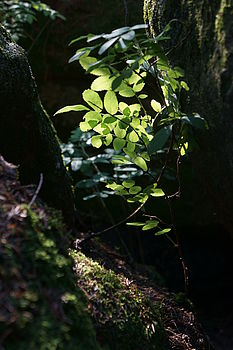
(125, 317)
(41, 305)
(41, 308)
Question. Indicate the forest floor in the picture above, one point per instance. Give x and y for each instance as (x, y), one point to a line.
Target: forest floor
(178, 316)
(179, 322)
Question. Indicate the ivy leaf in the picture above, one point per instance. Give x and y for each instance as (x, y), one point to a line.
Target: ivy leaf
(111, 102)
(139, 161)
(96, 141)
(159, 140)
(75, 108)
(93, 99)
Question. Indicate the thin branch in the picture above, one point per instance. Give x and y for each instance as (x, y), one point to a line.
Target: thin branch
(37, 190)
(178, 246)
(79, 242)
(126, 12)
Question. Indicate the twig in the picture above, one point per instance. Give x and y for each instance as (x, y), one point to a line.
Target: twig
(79, 242)
(38, 36)
(126, 12)
(37, 190)
(178, 246)
(167, 157)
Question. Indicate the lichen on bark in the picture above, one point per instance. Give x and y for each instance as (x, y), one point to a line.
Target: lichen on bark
(27, 136)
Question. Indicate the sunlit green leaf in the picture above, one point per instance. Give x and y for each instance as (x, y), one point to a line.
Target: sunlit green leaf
(157, 192)
(120, 133)
(108, 139)
(92, 115)
(139, 161)
(184, 85)
(85, 126)
(104, 82)
(162, 232)
(150, 224)
(96, 141)
(156, 106)
(87, 61)
(111, 102)
(74, 108)
(133, 136)
(128, 183)
(93, 99)
(135, 223)
(142, 96)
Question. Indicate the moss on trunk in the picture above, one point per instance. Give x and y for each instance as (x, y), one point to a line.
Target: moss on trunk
(202, 45)
(27, 136)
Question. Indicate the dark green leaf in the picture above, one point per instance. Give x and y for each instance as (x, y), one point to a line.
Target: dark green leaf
(159, 140)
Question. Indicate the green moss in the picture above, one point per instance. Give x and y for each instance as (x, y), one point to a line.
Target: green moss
(42, 308)
(125, 318)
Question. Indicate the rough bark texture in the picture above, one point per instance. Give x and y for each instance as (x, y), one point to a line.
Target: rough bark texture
(27, 137)
(202, 41)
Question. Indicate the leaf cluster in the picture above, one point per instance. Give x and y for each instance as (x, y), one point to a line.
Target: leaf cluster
(15, 14)
(133, 106)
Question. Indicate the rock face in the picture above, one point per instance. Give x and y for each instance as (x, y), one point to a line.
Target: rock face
(202, 38)
(27, 136)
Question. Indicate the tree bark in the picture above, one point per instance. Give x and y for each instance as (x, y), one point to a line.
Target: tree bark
(202, 44)
(27, 136)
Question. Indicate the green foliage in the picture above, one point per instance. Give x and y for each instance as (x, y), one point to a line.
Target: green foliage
(15, 14)
(41, 307)
(134, 107)
(126, 317)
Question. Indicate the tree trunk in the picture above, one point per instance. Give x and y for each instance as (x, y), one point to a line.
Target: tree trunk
(202, 44)
(27, 136)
